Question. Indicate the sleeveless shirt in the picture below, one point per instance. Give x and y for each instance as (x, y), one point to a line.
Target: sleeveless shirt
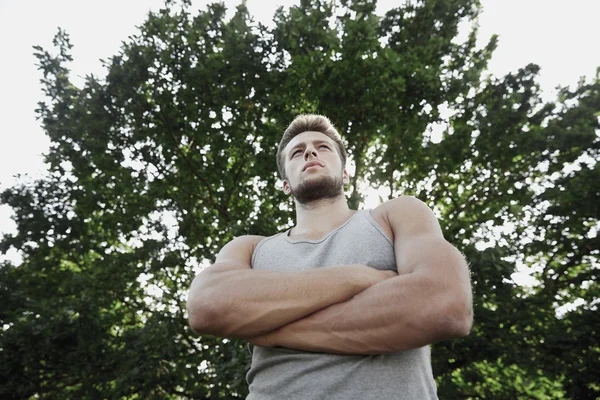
(279, 373)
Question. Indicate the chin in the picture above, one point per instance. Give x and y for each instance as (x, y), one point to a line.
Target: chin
(318, 188)
(313, 177)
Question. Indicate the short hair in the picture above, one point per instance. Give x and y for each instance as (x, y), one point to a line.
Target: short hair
(307, 123)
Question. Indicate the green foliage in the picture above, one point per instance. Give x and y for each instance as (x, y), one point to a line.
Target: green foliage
(155, 167)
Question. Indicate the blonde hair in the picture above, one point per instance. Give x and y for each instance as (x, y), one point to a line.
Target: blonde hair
(309, 123)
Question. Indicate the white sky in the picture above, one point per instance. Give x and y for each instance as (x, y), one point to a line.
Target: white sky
(561, 36)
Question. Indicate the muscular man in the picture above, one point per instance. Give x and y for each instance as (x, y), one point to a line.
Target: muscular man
(344, 304)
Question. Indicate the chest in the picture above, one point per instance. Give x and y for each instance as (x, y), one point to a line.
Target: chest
(363, 244)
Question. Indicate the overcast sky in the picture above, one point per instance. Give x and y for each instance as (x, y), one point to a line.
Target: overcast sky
(561, 36)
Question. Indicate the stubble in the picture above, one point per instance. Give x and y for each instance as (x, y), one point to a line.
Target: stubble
(323, 188)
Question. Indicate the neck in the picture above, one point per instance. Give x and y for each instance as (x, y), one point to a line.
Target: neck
(321, 215)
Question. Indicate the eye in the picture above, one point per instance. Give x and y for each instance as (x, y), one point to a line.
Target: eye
(296, 152)
(324, 145)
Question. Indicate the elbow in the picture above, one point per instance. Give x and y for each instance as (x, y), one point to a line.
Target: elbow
(455, 317)
(463, 325)
(203, 305)
(209, 320)
(460, 312)
(200, 320)
(461, 322)
(202, 316)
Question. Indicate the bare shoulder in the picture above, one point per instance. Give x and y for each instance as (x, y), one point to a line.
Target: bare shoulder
(405, 206)
(247, 240)
(406, 215)
(398, 207)
(240, 248)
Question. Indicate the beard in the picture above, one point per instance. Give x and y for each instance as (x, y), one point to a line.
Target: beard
(324, 188)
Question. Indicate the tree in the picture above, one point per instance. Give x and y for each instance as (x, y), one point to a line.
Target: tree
(156, 166)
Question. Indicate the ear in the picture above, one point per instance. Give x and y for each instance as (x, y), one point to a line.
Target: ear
(345, 177)
(286, 187)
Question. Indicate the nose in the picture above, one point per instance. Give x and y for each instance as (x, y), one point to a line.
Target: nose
(310, 150)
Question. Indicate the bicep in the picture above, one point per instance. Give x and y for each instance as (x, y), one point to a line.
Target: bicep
(416, 231)
(236, 254)
(431, 259)
(419, 243)
(433, 256)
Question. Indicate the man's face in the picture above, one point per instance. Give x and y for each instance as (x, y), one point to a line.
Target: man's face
(313, 167)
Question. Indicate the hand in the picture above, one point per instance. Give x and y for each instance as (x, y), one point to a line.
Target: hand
(388, 273)
(366, 276)
(376, 275)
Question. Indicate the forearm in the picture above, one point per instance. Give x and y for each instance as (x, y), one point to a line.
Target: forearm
(398, 314)
(246, 303)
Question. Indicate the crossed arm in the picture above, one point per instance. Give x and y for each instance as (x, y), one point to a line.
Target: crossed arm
(349, 309)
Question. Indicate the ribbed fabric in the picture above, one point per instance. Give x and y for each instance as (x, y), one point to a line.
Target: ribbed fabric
(286, 374)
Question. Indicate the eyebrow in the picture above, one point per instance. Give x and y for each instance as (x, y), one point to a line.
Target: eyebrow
(301, 144)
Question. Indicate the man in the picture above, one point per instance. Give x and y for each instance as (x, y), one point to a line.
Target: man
(344, 304)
